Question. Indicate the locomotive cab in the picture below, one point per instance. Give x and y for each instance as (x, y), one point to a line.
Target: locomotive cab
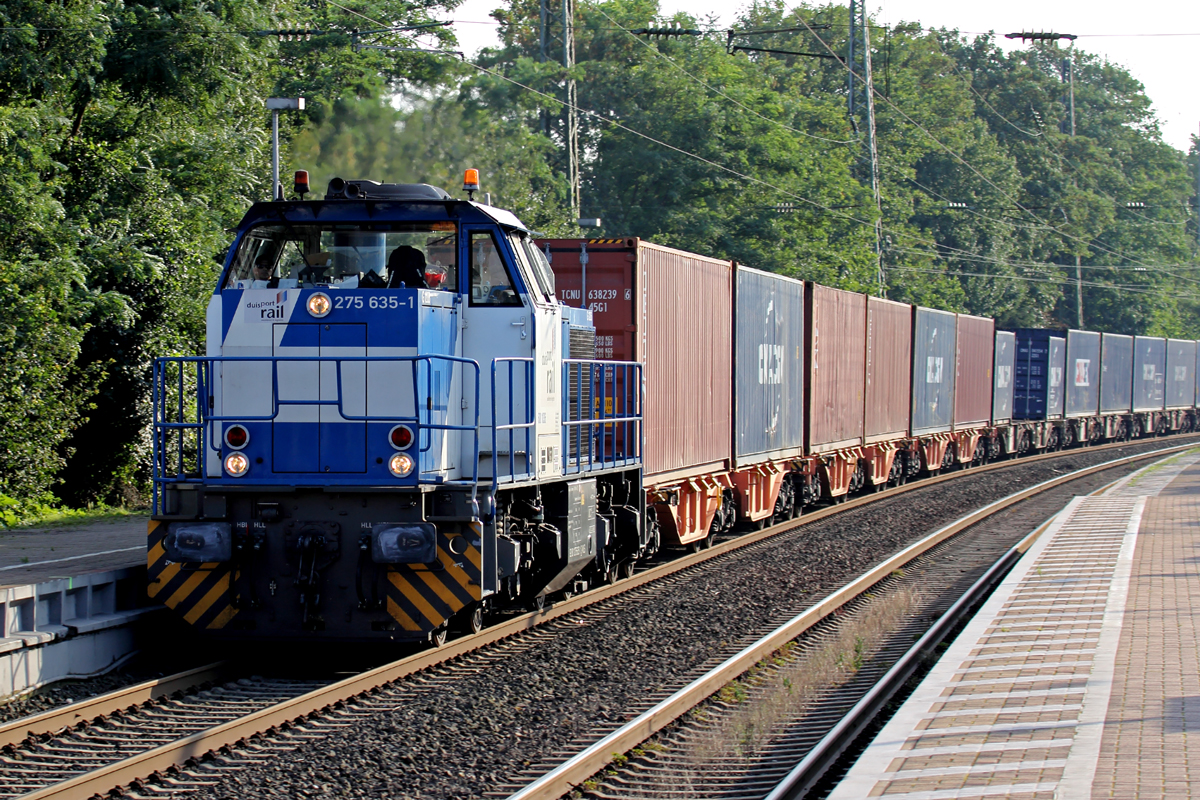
(395, 425)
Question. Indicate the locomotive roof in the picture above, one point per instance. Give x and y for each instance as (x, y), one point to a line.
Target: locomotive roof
(299, 212)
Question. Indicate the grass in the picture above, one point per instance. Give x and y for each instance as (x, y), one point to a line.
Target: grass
(16, 514)
(775, 697)
(775, 691)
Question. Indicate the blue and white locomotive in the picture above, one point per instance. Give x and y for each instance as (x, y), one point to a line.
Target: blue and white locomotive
(395, 428)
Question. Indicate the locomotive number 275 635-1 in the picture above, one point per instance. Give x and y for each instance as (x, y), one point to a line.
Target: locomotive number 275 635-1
(357, 301)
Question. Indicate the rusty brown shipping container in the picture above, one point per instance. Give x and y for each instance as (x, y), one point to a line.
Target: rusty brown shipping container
(836, 333)
(888, 370)
(973, 371)
(673, 312)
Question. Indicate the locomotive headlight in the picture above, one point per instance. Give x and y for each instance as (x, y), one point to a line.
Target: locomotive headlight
(319, 304)
(236, 464)
(401, 465)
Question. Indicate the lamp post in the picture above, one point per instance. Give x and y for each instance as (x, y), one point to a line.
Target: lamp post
(277, 104)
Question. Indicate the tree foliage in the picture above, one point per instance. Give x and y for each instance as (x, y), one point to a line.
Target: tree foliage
(133, 136)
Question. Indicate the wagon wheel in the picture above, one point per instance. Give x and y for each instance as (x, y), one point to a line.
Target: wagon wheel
(437, 636)
(475, 619)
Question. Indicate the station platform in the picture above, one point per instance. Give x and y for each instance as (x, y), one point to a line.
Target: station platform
(73, 601)
(1080, 676)
(33, 555)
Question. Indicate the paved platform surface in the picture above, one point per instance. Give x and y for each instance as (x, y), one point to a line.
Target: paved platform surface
(1080, 677)
(34, 555)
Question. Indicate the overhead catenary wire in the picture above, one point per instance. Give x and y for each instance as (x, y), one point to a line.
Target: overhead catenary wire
(681, 151)
(618, 124)
(1005, 220)
(957, 157)
(1054, 144)
(759, 181)
(966, 255)
(717, 91)
(1037, 279)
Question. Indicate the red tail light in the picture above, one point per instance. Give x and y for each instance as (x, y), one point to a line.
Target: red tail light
(401, 437)
(236, 436)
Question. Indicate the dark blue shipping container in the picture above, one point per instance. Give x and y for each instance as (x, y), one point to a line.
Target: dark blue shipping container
(1004, 362)
(934, 352)
(1083, 373)
(1149, 369)
(1038, 375)
(1116, 373)
(768, 367)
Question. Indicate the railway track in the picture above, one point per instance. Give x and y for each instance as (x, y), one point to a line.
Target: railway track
(239, 714)
(747, 737)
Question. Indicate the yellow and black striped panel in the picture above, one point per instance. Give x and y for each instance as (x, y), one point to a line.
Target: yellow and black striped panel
(421, 599)
(201, 596)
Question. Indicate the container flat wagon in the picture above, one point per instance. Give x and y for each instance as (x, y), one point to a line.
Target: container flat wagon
(1116, 385)
(1149, 365)
(769, 378)
(1039, 395)
(671, 312)
(836, 325)
(1180, 385)
(934, 351)
(888, 388)
(973, 363)
(1083, 381)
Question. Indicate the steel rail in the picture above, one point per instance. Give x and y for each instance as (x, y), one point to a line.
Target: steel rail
(178, 753)
(56, 719)
(574, 771)
(805, 775)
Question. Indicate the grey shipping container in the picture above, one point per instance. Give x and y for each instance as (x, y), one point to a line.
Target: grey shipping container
(1083, 373)
(1116, 374)
(673, 312)
(835, 377)
(974, 338)
(889, 370)
(1181, 377)
(768, 399)
(934, 334)
(1003, 363)
(1149, 364)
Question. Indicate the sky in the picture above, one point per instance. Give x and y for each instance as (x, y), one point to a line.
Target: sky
(1149, 42)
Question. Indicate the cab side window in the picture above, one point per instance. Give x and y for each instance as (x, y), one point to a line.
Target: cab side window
(491, 283)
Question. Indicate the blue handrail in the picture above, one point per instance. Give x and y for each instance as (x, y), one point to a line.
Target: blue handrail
(602, 426)
(204, 419)
(512, 426)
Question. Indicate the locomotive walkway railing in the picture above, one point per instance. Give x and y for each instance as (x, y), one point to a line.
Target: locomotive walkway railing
(521, 419)
(184, 417)
(602, 414)
(601, 420)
